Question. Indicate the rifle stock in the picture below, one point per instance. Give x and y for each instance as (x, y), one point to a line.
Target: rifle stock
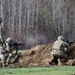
(70, 43)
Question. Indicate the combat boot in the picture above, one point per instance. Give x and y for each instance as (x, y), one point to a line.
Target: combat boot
(59, 62)
(6, 63)
(3, 65)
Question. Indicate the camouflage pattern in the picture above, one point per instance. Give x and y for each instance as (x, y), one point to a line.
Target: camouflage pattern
(2, 49)
(9, 49)
(8, 42)
(59, 49)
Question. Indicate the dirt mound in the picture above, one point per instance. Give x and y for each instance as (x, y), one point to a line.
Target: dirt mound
(40, 56)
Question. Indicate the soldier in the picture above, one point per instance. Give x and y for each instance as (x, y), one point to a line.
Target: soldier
(9, 49)
(59, 50)
(2, 49)
(10, 46)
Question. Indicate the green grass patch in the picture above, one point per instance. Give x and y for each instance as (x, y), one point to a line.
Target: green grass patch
(21, 51)
(59, 70)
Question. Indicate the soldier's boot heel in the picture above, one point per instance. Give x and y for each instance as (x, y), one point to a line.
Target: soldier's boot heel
(59, 62)
(6, 63)
(3, 65)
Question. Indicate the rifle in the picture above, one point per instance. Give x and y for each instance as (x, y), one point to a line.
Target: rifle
(15, 46)
(70, 43)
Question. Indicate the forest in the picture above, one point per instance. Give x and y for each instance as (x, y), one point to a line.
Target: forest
(35, 22)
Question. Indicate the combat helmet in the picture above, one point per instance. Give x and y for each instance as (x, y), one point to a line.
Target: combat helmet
(9, 40)
(60, 37)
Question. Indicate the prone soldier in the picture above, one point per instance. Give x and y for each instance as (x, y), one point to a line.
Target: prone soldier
(11, 45)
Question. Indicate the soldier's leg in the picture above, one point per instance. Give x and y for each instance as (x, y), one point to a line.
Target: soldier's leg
(6, 56)
(2, 56)
(59, 62)
(8, 59)
(64, 58)
(53, 60)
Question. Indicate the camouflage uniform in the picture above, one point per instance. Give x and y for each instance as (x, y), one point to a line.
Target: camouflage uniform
(9, 50)
(2, 54)
(59, 50)
(2, 49)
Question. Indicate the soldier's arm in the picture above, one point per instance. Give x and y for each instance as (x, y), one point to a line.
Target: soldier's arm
(67, 45)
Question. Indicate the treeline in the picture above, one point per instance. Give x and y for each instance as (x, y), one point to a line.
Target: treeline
(36, 22)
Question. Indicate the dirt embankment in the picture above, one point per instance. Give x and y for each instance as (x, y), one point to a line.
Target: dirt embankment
(40, 56)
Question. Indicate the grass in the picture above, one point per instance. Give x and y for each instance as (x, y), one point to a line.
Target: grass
(56, 70)
(59, 70)
(20, 51)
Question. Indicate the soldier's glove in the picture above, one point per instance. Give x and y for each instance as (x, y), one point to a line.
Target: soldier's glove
(65, 49)
(13, 55)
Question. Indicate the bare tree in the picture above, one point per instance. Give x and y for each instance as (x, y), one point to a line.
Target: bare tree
(38, 21)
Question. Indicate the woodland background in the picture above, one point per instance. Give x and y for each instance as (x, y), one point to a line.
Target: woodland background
(36, 22)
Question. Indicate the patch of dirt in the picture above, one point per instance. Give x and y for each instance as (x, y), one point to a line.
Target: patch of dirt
(41, 55)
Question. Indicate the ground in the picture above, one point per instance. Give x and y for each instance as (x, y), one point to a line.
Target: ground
(40, 56)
